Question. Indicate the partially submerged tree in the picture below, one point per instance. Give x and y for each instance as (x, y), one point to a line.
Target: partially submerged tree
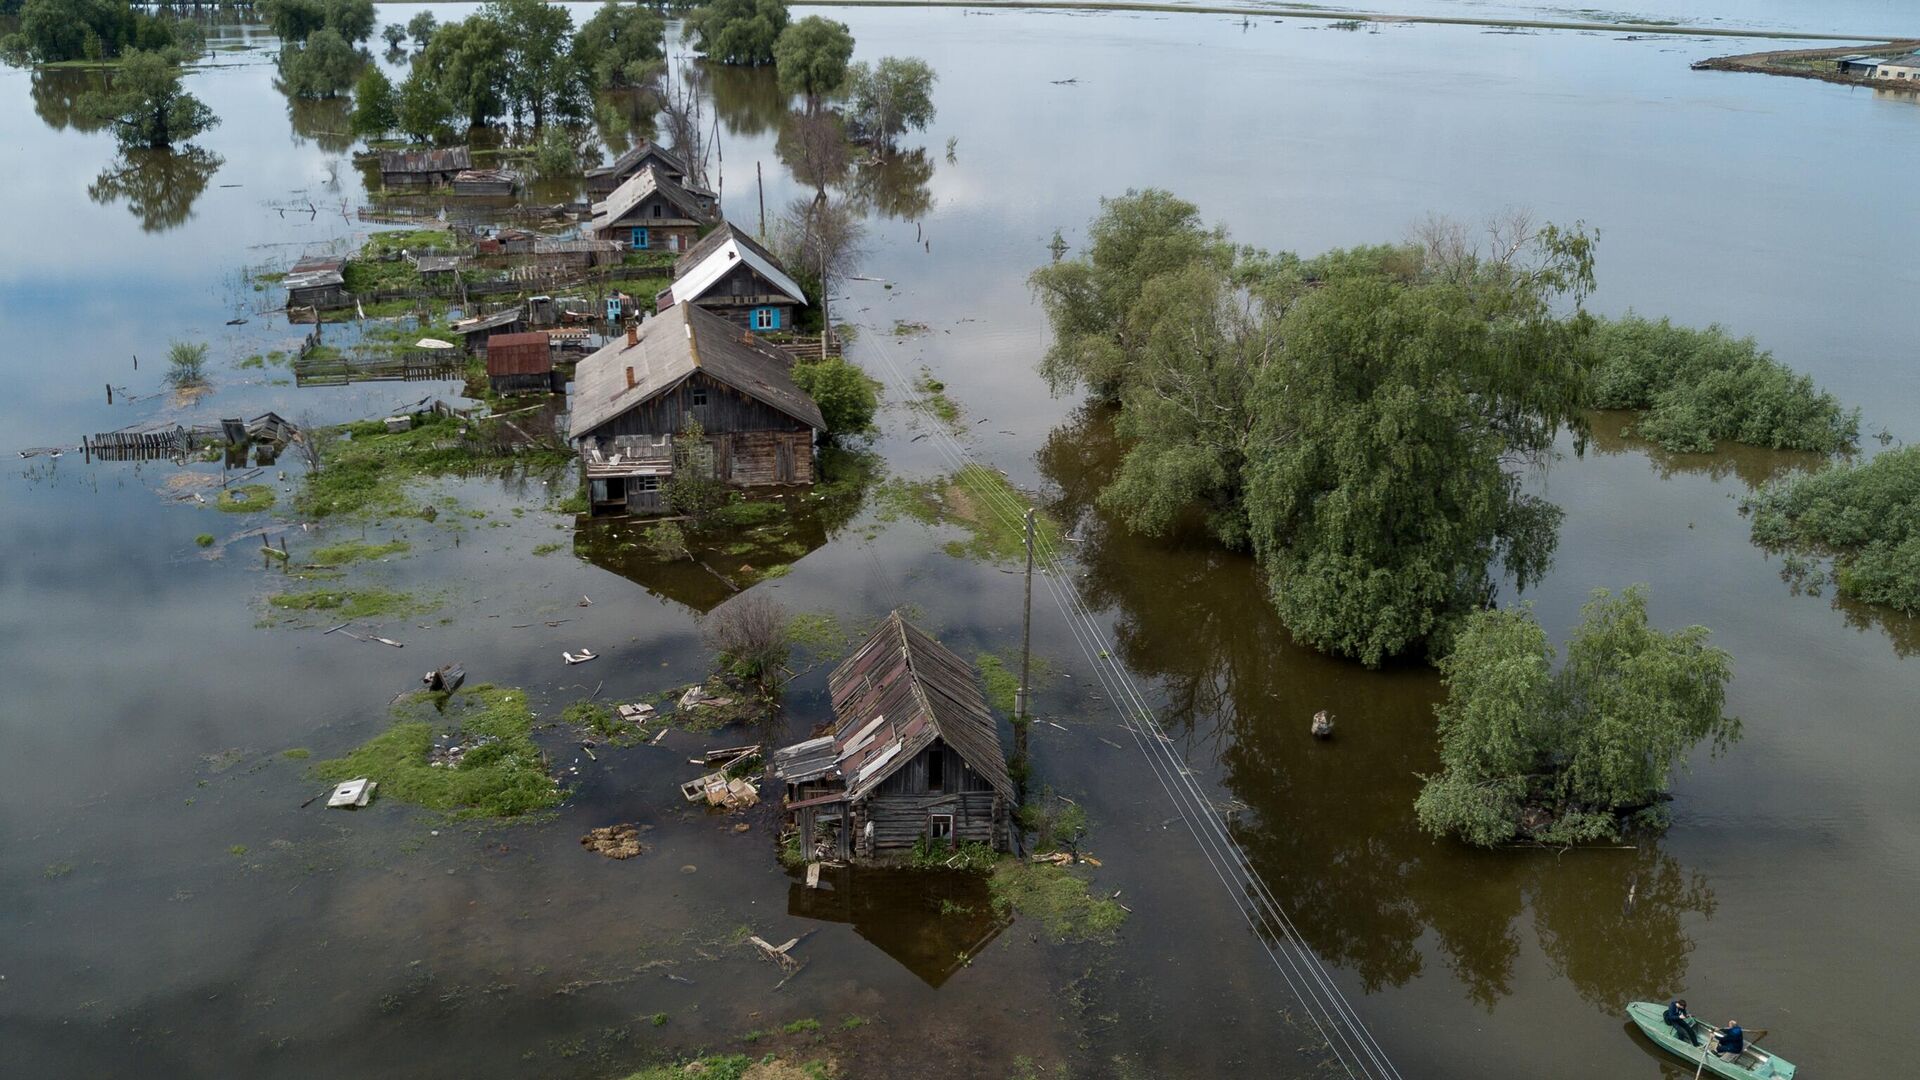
(394, 35)
(822, 241)
(622, 45)
(423, 111)
(543, 77)
(812, 56)
(373, 103)
(294, 20)
(738, 31)
(1574, 755)
(556, 156)
(187, 364)
(845, 394)
(466, 64)
(146, 104)
(324, 66)
(420, 28)
(887, 99)
(748, 635)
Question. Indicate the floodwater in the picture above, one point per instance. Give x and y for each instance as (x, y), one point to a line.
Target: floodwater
(167, 908)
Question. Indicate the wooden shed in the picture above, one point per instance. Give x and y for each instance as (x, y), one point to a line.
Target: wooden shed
(520, 362)
(423, 168)
(914, 755)
(317, 283)
(652, 212)
(486, 182)
(730, 274)
(477, 331)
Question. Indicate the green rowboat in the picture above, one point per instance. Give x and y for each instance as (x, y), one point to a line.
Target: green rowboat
(1752, 1064)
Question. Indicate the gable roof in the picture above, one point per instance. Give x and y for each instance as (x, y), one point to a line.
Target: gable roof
(668, 348)
(897, 693)
(452, 159)
(636, 189)
(636, 156)
(717, 253)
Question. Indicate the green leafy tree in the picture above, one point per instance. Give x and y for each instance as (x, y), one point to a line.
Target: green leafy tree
(1865, 516)
(812, 56)
(374, 109)
(694, 490)
(56, 30)
(888, 98)
(622, 45)
(325, 66)
(422, 110)
(394, 35)
(845, 394)
(555, 155)
(147, 105)
(1581, 753)
(469, 65)
(351, 19)
(294, 20)
(543, 77)
(738, 31)
(421, 27)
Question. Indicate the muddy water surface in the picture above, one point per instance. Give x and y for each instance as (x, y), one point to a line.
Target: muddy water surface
(168, 909)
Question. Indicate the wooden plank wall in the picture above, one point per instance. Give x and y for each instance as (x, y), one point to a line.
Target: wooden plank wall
(900, 820)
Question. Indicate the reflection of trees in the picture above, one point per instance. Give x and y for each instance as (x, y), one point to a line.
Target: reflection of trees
(1751, 465)
(159, 186)
(814, 147)
(323, 121)
(56, 97)
(625, 114)
(746, 99)
(1330, 827)
(894, 185)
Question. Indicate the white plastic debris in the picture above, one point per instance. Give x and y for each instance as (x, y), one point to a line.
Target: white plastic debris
(353, 793)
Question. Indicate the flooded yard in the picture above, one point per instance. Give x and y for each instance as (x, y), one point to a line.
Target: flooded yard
(173, 903)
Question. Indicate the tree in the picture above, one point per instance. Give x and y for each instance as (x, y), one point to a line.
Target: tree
(844, 393)
(555, 156)
(323, 67)
(468, 64)
(56, 30)
(1577, 754)
(186, 364)
(812, 56)
(694, 490)
(147, 106)
(294, 20)
(890, 97)
(542, 74)
(394, 35)
(353, 20)
(420, 28)
(738, 31)
(374, 111)
(621, 45)
(422, 110)
(821, 240)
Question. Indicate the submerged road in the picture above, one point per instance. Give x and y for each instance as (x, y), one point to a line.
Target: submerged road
(1335, 15)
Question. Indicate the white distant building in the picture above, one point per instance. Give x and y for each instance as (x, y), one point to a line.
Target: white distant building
(1901, 67)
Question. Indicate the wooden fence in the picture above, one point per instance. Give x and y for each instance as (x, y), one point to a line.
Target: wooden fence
(413, 367)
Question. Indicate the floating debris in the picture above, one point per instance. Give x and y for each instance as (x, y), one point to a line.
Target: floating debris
(580, 657)
(613, 841)
(353, 794)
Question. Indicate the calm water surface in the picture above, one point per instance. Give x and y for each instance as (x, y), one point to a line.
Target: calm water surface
(167, 909)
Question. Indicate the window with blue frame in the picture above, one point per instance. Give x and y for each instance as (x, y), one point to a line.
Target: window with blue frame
(639, 239)
(766, 318)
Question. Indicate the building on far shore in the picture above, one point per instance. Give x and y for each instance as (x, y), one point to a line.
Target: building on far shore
(1900, 67)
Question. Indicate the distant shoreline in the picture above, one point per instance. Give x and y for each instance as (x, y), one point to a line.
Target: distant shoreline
(1797, 63)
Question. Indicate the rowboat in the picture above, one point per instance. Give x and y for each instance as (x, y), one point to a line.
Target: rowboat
(1752, 1064)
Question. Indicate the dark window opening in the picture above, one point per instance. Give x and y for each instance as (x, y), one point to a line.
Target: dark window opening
(699, 396)
(940, 827)
(656, 209)
(936, 771)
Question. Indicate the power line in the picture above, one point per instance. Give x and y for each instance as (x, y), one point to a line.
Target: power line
(1333, 1016)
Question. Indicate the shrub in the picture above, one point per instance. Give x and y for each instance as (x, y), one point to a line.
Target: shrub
(1866, 517)
(846, 395)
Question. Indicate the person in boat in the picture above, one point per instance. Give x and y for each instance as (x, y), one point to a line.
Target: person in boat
(1732, 1041)
(1681, 1021)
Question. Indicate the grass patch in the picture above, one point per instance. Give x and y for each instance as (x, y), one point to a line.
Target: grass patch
(1058, 898)
(246, 499)
(298, 753)
(204, 540)
(1866, 518)
(979, 500)
(366, 470)
(854, 1023)
(719, 1067)
(353, 603)
(1003, 685)
(596, 718)
(933, 400)
(357, 550)
(821, 634)
(547, 549)
(502, 775)
(802, 1026)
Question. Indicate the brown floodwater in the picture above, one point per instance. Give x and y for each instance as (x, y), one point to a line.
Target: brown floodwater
(168, 908)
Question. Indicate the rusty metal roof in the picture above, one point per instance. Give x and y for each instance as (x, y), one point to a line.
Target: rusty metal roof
(897, 693)
(530, 353)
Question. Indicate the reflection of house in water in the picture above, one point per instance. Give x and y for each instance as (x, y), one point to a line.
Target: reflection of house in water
(914, 755)
(932, 921)
(724, 562)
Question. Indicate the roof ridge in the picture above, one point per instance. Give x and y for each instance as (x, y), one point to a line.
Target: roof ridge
(914, 681)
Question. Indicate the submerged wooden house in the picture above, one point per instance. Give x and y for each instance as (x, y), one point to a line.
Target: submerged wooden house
(633, 397)
(602, 180)
(423, 168)
(914, 755)
(730, 274)
(652, 212)
(317, 283)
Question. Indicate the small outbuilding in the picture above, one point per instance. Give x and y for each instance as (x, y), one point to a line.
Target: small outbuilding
(423, 168)
(520, 362)
(477, 331)
(913, 756)
(317, 283)
(633, 397)
(730, 274)
(651, 212)
(576, 254)
(1859, 64)
(486, 182)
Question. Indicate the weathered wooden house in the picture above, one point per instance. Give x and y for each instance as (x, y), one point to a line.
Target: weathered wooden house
(423, 168)
(476, 332)
(520, 362)
(602, 180)
(653, 213)
(633, 396)
(317, 283)
(486, 182)
(914, 755)
(730, 274)
(576, 254)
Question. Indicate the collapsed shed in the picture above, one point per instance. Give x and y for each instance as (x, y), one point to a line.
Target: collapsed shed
(914, 755)
(423, 168)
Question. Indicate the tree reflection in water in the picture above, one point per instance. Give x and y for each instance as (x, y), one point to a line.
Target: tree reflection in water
(325, 122)
(159, 186)
(56, 97)
(746, 99)
(1330, 826)
(894, 185)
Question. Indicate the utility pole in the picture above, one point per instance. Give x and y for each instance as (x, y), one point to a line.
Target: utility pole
(1026, 643)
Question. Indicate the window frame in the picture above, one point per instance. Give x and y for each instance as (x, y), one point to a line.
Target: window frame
(934, 826)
